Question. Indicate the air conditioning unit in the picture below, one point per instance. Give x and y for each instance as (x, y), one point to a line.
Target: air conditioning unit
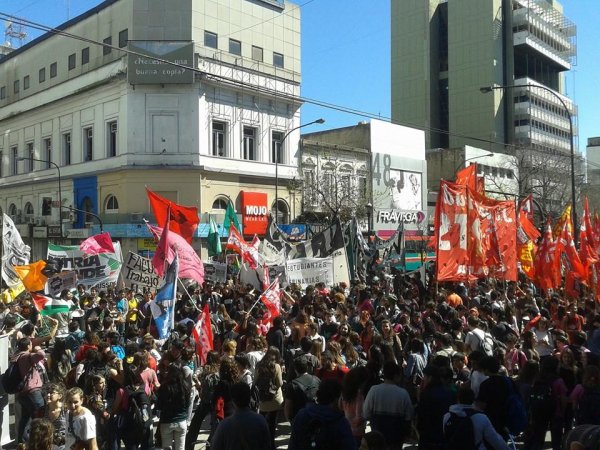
(137, 217)
(68, 215)
(40, 222)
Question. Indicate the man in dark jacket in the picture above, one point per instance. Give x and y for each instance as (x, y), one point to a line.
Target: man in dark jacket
(322, 425)
(245, 428)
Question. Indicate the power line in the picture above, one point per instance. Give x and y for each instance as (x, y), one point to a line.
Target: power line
(260, 89)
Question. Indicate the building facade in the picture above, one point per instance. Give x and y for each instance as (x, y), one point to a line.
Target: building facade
(196, 109)
(445, 51)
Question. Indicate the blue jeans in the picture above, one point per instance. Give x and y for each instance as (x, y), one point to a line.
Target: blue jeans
(31, 404)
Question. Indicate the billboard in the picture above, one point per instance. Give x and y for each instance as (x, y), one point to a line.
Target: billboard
(398, 192)
(143, 67)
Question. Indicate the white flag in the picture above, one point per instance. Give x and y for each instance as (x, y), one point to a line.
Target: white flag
(15, 252)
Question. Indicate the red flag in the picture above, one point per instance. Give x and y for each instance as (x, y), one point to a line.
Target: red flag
(547, 267)
(190, 264)
(99, 243)
(183, 220)
(566, 245)
(526, 207)
(271, 298)
(452, 255)
(203, 336)
(587, 247)
(248, 252)
(468, 177)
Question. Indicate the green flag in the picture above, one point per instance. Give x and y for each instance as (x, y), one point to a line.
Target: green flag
(230, 217)
(214, 239)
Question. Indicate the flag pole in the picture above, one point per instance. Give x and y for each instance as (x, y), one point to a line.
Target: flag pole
(263, 293)
(188, 294)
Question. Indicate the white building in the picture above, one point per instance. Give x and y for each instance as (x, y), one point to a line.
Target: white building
(112, 124)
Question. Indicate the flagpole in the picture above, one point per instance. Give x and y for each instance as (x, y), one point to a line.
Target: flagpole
(188, 294)
(263, 293)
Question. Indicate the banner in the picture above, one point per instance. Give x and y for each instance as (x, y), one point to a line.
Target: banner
(305, 271)
(100, 271)
(321, 245)
(138, 273)
(163, 305)
(215, 272)
(452, 256)
(14, 252)
(60, 281)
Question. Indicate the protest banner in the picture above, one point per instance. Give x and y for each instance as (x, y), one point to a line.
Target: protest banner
(100, 271)
(215, 272)
(305, 271)
(138, 273)
(60, 281)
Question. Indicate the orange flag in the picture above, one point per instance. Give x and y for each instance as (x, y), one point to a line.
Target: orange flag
(31, 275)
(565, 244)
(547, 266)
(183, 220)
(468, 177)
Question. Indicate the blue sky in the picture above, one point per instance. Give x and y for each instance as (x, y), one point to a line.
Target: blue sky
(346, 54)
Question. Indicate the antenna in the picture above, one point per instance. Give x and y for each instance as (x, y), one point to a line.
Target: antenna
(14, 34)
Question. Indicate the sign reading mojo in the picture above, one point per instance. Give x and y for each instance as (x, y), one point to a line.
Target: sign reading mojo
(100, 270)
(144, 67)
(138, 272)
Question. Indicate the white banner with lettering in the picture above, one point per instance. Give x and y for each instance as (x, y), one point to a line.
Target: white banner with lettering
(305, 271)
(137, 272)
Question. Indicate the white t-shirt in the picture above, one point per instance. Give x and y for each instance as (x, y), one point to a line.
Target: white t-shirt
(80, 428)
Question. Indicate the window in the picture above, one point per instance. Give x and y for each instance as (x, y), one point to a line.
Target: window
(281, 211)
(106, 49)
(14, 155)
(88, 144)
(249, 143)
(28, 210)
(235, 47)
(2, 92)
(16, 86)
(26, 82)
(30, 155)
(219, 134)
(46, 206)
(12, 210)
(66, 149)
(111, 206)
(48, 151)
(42, 75)
(210, 39)
(362, 187)
(277, 147)
(85, 56)
(257, 53)
(123, 38)
(277, 59)
(72, 61)
(220, 203)
(111, 141)
(53, 70)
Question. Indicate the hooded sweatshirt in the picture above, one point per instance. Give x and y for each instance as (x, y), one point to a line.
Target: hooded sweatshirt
(482, 428)
(336, 431)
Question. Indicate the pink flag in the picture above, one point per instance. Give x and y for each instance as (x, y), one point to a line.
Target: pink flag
(190, 265)
(202, 333)
(99, 243)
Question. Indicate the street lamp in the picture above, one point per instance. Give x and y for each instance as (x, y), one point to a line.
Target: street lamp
(488, 89)
(25, 158)
(278, 155)
(96, 216)
(472, 158)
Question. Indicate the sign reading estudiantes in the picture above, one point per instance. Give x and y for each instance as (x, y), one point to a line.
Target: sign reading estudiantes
(143, 67)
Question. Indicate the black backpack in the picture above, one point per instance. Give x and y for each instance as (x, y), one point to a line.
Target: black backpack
(541, 403)
(12, 382)
(459, 432)
(91, 368)
(266, 389)
(139, 412)
(321, 435)
(302, 393)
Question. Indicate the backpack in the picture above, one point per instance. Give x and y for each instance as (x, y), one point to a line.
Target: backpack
(320, 435)
(486, 343)
(266, 389)
(254, 398)
(302, 393)
(85, 381)
(588, 410)
(459, 432)
(139, 413)
(12, 382)
(541, 403)
(516, 413)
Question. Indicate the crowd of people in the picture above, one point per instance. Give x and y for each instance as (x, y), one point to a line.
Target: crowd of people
(374, 365)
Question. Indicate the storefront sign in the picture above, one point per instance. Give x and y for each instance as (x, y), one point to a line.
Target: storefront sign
(54, 231)
(40, 232)
(146, 244)
(78, 233)
(255, 213)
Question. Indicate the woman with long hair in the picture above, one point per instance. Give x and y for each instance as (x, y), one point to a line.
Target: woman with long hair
(81, 428)
(269, 380)
(353, 397)
(389, 338)
(350, 354)
(172, 400)
(59, 361)
(54, 411)
(40, 436)
(221, 402)
(530, 345)
(205, 384)
(585, 398)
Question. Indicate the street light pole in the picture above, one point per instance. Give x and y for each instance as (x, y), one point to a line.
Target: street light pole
(487, 89)
(277, 156)
(96, 216)
(25, 158)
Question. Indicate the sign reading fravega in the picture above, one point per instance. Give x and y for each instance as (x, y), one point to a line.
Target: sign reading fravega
(255, 213)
